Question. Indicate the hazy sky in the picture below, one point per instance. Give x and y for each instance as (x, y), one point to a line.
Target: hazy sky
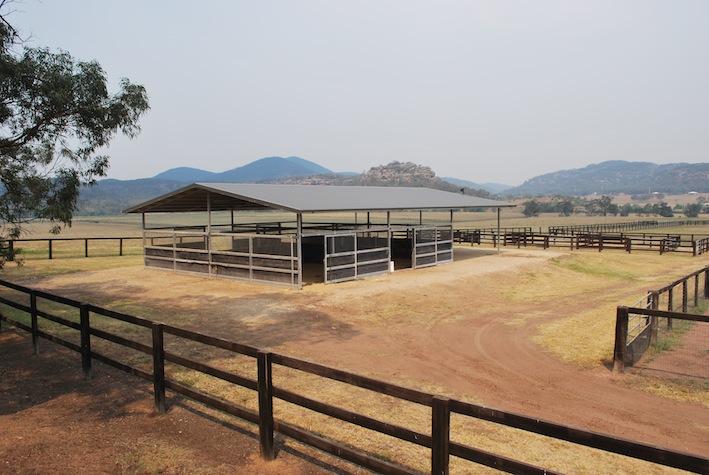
(484, 90)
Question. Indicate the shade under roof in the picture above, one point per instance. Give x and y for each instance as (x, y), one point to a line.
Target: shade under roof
(308, 198)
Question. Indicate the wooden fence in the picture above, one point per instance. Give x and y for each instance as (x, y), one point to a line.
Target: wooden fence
(636, 327)
(8, 247)
(694, 244)
(624, 226)
(438, 441)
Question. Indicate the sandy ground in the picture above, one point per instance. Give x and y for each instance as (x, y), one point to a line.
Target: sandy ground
(459, 329)
(688, 359)
(54, 421)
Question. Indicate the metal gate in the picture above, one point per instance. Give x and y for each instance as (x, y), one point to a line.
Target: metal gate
(432, 245)
(352, 255)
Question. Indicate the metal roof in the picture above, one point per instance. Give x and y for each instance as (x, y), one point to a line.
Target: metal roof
(309, 198)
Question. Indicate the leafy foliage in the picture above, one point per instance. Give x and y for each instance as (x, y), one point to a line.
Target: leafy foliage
(531, 208)
(56, 114)
(692, 210)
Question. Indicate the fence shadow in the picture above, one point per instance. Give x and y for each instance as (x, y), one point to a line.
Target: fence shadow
(31, 380)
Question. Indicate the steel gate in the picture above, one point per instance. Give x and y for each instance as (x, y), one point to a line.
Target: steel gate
(432, 245)
(349, 256)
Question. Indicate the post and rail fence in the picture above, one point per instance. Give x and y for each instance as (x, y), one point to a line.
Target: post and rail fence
(695, 244)
(637, 327)
(439, 441)
(624, 226)
(9, 248)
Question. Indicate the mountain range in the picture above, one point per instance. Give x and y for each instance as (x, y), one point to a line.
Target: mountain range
(618, 176)
(268, 168)
(111, 196)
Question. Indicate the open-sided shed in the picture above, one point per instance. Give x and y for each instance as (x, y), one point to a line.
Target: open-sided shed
(291, 252)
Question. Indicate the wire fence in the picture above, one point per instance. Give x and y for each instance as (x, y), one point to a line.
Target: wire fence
(666, 333)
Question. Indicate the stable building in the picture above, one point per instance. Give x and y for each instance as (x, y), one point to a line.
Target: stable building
(305, 247)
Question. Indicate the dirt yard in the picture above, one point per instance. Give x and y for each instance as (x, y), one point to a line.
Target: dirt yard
(512, 331)
(55, 421)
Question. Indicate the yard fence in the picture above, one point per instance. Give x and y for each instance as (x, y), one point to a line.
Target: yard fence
(624, 226)
(8, 247)
(637, 327)
(695, 244)
(438, 440)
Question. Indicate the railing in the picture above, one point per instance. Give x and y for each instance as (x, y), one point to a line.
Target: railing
(9, 247)
(636, 327)
(624, 226)
(442, 448)
(262, 257)
(701, 246)
(694, 244)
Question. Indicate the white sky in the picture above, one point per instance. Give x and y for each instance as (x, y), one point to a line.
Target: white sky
(483, 90)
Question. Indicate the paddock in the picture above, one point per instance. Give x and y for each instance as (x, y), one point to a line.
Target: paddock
(305, 249)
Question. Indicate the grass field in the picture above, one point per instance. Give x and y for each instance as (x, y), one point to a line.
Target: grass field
(529, 331)
(129, 225)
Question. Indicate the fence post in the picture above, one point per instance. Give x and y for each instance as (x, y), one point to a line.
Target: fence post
(11, 250)
(86, 248)
(265, 405)
(621, 337)
(706, 284)
(158, 368)
(440, 436)
(684, 296)
(696, 289)
(655, 300)
(670, 303)
(85, 340)
(50, 247)
(33, 324)
(120, 246)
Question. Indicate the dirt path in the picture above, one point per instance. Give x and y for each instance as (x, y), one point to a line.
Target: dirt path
(460, 329)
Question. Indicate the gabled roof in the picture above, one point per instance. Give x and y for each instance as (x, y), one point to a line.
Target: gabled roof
(309, 198)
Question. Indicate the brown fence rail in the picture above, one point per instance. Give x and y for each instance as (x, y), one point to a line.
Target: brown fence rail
(637, 327)
(442, 448)
(8, 247)
(694, 244)
(624, 226)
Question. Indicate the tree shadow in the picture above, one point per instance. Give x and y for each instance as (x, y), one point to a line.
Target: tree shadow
(29, 380)
(262, 319)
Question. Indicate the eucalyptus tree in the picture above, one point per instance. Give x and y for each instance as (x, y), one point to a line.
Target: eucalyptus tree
(57, 116)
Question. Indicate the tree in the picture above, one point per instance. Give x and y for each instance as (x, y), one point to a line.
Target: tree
(531, 208)
(692, 210)
(566, 208)
(56, 115)
(663, 209)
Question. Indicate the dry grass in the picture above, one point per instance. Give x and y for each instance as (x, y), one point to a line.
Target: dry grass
(583, 337)
(685, 389)
(129, 225)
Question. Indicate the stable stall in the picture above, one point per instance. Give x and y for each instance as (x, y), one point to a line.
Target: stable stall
(301, 245)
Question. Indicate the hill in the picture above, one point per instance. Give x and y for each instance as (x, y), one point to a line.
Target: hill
(393, 174)
(268, 168)
(619, 176)
(112, 196)
(490, 187)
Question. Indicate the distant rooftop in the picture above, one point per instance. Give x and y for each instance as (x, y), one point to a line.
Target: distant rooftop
(308, 199)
